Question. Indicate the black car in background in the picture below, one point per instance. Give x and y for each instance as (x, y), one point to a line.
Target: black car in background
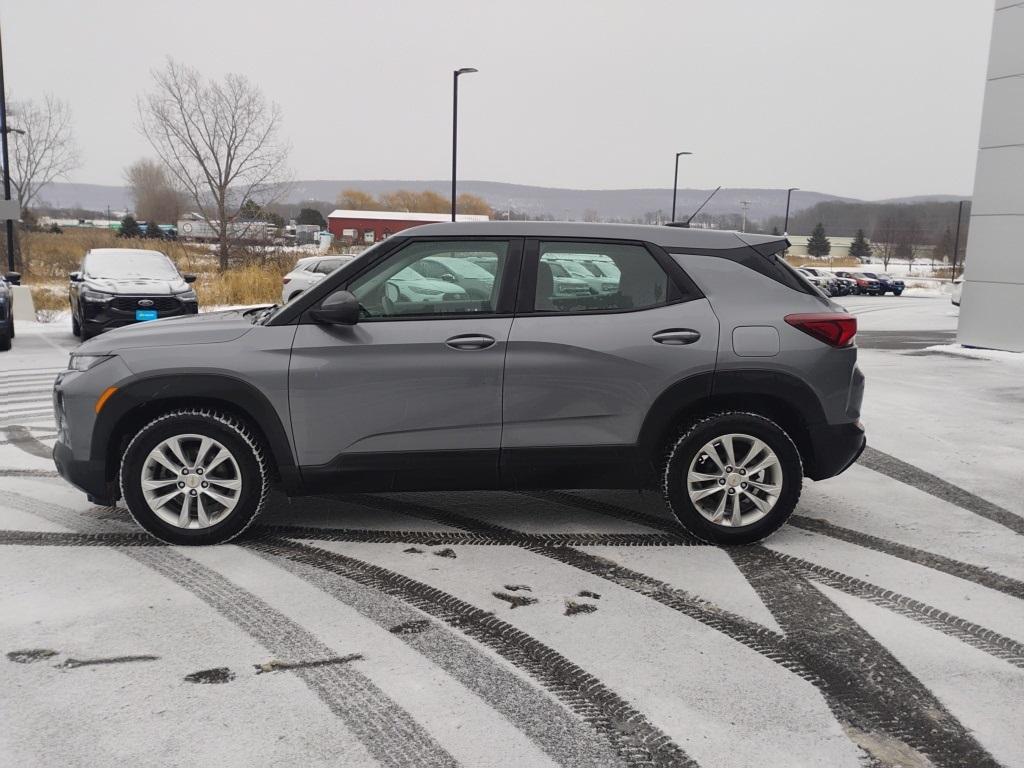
(886, 284)
(121, 286)
(7, 309)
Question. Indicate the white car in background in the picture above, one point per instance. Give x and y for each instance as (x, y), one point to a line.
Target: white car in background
(958, 290)
(309, 271)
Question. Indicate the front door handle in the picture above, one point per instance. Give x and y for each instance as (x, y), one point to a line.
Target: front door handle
(677, 336)
(469, 341)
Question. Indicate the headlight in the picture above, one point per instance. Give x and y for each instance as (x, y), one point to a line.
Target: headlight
(91, 295)
(85, 362)
(188, 295)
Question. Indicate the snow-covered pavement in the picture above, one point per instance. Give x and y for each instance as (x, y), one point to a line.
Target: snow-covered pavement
(884, 626)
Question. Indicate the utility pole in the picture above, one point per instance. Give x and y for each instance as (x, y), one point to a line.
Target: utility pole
(744, 204)
(4, 130)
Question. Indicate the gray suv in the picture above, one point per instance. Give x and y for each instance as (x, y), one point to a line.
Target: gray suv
(713, 370)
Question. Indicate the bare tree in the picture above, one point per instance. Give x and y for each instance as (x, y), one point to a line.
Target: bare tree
(885, 239)
(45, 151)
(219, 140)
(154, 192)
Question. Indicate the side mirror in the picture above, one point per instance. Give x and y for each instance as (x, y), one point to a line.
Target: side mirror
(340, 308)
(189, 278)
(448, 277)
(76, 277)
(14, 278)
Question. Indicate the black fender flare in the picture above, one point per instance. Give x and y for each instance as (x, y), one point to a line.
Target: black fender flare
(138, 398)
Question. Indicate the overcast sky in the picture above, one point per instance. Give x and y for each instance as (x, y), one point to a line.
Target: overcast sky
(867, 98)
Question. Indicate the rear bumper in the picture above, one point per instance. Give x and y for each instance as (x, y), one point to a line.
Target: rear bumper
(835, 447)
(88, 476)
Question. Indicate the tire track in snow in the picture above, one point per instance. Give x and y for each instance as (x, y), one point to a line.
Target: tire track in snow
(975, 635)
(966, 571)
(872, 690)
(626, 729)
(26, 441)
(973, 573)
(918, 478)
(386, 730)
(849, 685)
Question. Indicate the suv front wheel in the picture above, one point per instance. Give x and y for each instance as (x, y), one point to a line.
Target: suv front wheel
(732, 478)
(194, 476)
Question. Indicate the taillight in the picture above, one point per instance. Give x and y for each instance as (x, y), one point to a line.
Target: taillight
(836, 329)
(286, 280)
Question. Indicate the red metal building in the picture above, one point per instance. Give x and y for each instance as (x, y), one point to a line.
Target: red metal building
(370, 226)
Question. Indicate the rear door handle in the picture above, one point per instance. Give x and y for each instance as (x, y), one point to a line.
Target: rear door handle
(469, 341)
(676, 336)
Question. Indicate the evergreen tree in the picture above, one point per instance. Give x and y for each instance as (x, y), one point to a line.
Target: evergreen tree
(860, 248)
(153, 230)
(311, 216)
(130, 227)
(818, 245)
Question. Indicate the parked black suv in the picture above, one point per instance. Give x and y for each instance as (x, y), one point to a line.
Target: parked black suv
(7, 309)
(121, 286)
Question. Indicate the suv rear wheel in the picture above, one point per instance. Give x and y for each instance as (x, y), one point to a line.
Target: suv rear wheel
(194, 476)
(732, 478)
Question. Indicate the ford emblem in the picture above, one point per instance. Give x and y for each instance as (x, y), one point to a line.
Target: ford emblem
(145, 302)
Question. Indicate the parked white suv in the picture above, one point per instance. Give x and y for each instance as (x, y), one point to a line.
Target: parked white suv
(309, 271)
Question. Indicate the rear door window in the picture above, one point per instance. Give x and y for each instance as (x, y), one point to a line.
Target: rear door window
(627, 277)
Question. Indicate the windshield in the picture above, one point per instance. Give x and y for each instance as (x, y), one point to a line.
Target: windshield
(143, 264)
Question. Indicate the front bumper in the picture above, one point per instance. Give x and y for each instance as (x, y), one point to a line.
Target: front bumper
(834, 448)
(101, 316)
(88, 476)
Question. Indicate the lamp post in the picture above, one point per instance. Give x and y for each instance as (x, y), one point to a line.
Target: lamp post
(956, 240)
(675, 183)
(4, 130)
(455, 125)
(785, 226)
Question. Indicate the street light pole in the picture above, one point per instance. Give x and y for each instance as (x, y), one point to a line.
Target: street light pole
(675, 183)
(744, 204)
(455, 125)
(956, 240)
(6, 159)
(785, 224)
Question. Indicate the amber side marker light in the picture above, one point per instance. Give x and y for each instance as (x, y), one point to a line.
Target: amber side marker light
(104, 397)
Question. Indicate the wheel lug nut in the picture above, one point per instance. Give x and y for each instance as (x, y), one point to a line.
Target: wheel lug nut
(199, 471)
(743, 471)
(192, 492)
(728, 469)
(207, 485)
(721, 481)
(743, 485)
(732, 491)
(181, 485)
(184, 470)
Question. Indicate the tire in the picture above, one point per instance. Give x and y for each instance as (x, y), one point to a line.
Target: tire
(897, 293)
(12, 327)
(5, 340)
(755, 523)
(241, 478)
(76, 329)
(84, 333)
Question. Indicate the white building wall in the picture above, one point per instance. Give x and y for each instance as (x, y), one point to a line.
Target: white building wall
(992, 307)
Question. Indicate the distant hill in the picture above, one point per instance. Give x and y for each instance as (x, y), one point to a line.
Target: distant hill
(604, 204)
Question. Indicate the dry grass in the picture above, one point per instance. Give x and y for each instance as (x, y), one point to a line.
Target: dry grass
(809, 261)
(241, 285)
(50, 299)
(49, 257)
